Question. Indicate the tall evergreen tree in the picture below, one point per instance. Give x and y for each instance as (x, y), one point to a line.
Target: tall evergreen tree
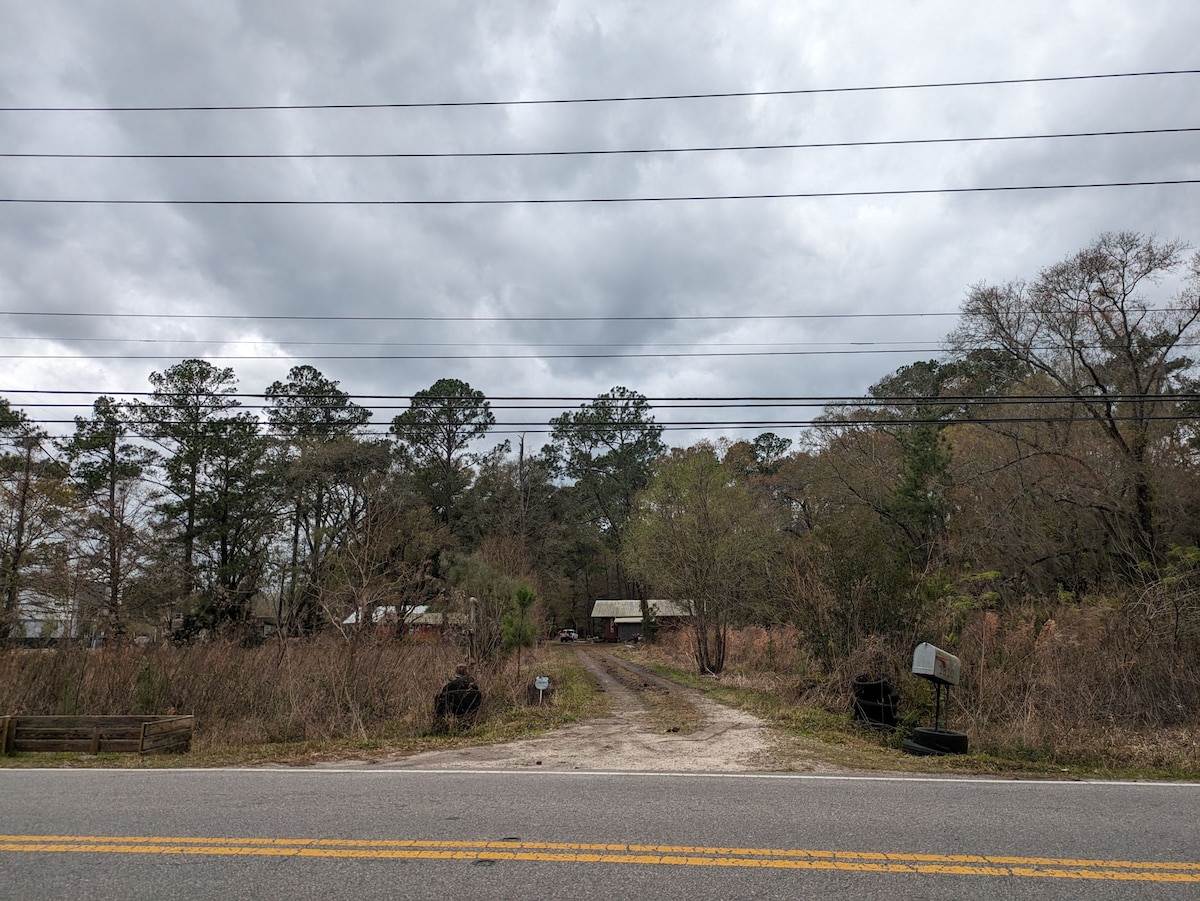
(107, 469)
(185, 415)
(317, 426)
(608, 448)
(33, 503)
(433, 437)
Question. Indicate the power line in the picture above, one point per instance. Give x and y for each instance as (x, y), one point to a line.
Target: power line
(525, 345)
(534, 427)
(797, 348)
(585, 100)
(302, 317)
(553, 201)
(657, 403)
(647, 355)
(858, 411)
(631, 355)
(305, 317)
(558, 399)
(862, 348)
(503, 154)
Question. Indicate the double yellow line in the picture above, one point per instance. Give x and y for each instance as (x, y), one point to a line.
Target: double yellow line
(652, 855)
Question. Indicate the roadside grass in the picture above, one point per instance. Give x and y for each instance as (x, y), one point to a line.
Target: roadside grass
(813, 732)
(509, 715)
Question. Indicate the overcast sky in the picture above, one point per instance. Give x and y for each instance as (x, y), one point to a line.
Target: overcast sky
(497, 267)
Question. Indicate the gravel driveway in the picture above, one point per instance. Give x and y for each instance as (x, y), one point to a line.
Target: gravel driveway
(635, 737)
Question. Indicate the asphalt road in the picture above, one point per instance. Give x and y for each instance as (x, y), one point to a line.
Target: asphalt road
(370, 832)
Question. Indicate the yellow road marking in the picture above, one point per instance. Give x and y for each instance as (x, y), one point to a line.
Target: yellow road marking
(654, 855)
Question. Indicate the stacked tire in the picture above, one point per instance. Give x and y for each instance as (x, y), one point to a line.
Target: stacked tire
(926, 742)
(875, 702)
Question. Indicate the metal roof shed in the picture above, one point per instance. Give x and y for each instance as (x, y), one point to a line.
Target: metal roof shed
(621, 620)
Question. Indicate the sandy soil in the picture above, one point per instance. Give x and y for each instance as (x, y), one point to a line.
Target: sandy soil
(633, 738)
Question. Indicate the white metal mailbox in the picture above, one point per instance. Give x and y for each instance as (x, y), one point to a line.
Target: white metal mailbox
(936, 665)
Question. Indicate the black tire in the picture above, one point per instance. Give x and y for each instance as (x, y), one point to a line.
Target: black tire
(876, 713)
(947, 741)
(911, 747)
(876, 691)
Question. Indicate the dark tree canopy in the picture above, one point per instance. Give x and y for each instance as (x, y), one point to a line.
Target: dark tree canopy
(433, 436)
(609, 447)
(185, 417)
(308, 405)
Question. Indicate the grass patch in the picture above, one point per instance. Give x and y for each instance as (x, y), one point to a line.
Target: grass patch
(507, 717)
(834, 738)
(325, 702)
(670, 709)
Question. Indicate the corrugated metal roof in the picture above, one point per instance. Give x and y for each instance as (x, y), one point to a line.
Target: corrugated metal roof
(388, 613)
(631, 610)
(439, 619)
(378, 614)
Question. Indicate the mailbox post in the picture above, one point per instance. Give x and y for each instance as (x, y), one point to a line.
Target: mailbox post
(939, 667)
(943, 670)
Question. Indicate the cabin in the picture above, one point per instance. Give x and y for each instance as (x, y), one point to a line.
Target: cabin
(621, 620)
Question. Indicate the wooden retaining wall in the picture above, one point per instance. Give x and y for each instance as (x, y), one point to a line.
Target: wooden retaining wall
(92, 734)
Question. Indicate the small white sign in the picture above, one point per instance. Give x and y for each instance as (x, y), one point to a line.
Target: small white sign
(541, 683)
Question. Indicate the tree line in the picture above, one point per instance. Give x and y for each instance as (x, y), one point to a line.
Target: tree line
(1049, 457)
(185, 509)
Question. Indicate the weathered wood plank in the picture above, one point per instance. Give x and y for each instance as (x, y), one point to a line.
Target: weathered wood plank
(166, 743)
(4, 721)
(97, 733)
(84, 746)
(169, 724)
(173, 734)
(87, 721)
(22, 732)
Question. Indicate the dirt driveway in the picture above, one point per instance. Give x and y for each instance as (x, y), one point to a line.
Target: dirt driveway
(655, 726)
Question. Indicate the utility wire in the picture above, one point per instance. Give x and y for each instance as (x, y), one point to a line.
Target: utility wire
(778, 400)
(531, 404)
(722, 317)
(641, 355)
(295, 317)
(213, 432)
(583, 100)
(797, 348)
(503, 154)
(649, 355)
(553, 201)
(464, 344)
(845, 408)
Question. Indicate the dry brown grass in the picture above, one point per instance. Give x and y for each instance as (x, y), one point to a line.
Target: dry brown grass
(1082, 682)
(1074, 686)
(302, 691)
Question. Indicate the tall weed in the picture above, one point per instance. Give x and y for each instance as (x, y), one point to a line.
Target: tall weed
(1092, 681)
(299, 690)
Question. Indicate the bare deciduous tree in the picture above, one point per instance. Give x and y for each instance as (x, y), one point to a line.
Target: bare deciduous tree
(1087, 326)
(707, 540)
